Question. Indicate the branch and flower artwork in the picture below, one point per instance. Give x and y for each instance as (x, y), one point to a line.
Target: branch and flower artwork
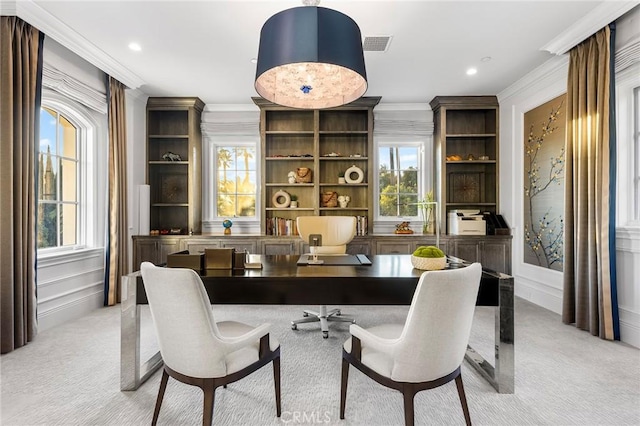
(544, 184)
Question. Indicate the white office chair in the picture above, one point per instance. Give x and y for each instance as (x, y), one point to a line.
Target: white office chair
(428, 350)
(195, 349)
(336, 232)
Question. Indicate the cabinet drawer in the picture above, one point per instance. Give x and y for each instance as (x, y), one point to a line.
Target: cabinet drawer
(399, 247)
(274, 247)
(246, 245)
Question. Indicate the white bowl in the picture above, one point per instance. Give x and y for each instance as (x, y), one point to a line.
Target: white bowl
(428, 263)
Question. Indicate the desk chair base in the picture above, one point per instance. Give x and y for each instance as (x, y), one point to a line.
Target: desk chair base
(324, 317)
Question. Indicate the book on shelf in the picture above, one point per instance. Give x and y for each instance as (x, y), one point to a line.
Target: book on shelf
(362, 225)
(280, 226)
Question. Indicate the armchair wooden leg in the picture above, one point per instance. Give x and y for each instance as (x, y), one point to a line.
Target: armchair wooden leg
(209, 398)
(163, 387)
(408, 393)
(343, 387)
(276, 380)
(463, 400)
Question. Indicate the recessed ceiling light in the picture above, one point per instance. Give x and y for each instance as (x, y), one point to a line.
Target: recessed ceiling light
(135, 47)
(472, 71)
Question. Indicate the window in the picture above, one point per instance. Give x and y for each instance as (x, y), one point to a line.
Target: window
(235, 180)
(58, 181)
(628, 146)
(399, 179)
(636, 144)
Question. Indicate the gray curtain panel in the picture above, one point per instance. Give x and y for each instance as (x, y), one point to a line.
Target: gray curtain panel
(117, 252)
(20, 81)
(589, 286)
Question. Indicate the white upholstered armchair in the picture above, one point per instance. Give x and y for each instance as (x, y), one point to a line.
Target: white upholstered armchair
(336, 232)
(195, 349)
(427, 351)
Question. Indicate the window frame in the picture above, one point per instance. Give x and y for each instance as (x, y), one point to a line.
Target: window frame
(411, 142)
(211, 188)
(88, 129)
(628, 146)
(58, 157)
(635, 214)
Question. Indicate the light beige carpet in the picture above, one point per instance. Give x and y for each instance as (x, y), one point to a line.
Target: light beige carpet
(70, 376)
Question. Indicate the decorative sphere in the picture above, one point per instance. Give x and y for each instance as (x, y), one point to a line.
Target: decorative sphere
(227, 224)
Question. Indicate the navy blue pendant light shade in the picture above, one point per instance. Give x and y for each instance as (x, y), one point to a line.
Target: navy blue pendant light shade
(310, 57)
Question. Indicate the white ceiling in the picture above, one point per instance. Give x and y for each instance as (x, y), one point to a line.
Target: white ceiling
(204, 48)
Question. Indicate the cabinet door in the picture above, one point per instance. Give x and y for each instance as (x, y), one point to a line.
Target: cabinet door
(359, 247)
(166, 247)
(240, 245)
(394, 247)
(497, 256)
(145, 251)
(199, 245)
(466, 250)
(273, 247)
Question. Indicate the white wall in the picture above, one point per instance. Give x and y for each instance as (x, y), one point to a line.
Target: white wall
(136, 102)
(70, 283)
(628, 221)
(69, 286)
(536, 284)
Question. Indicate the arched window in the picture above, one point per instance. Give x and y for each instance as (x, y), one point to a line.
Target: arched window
(71, 180)
(58, 181)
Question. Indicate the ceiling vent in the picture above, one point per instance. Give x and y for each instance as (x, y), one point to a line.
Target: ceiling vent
(376, 43)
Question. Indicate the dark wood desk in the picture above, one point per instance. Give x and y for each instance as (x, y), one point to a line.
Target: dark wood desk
(390, 280)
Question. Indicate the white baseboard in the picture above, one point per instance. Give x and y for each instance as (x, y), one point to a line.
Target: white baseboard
(629, 327)
(550, 298)
(539, 293)
(72, 310)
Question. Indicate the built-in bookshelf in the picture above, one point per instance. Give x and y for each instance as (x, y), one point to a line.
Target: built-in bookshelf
(466, 138)
(327, 143)
(174, 144)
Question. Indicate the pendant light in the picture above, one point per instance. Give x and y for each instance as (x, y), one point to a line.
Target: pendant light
(310, 57)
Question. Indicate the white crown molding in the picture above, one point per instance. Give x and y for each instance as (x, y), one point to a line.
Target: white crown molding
(251, 107)
(137, 95)
(402, 107)
(30, 12)
(7, 8)
(536, 76)
(595, 20)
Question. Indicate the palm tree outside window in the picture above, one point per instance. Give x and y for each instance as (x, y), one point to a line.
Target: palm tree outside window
(398, 180)
(236, 181)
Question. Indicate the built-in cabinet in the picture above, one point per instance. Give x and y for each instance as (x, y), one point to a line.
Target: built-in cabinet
(312, 148)
(174, 142)
(153, 249)
(327, 143)
(466, 153)
(195, 245)
(493, 251)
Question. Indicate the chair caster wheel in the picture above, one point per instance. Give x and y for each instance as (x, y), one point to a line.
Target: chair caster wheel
(338, 313)
(305, 314)
(325, 334)
(294, 326)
